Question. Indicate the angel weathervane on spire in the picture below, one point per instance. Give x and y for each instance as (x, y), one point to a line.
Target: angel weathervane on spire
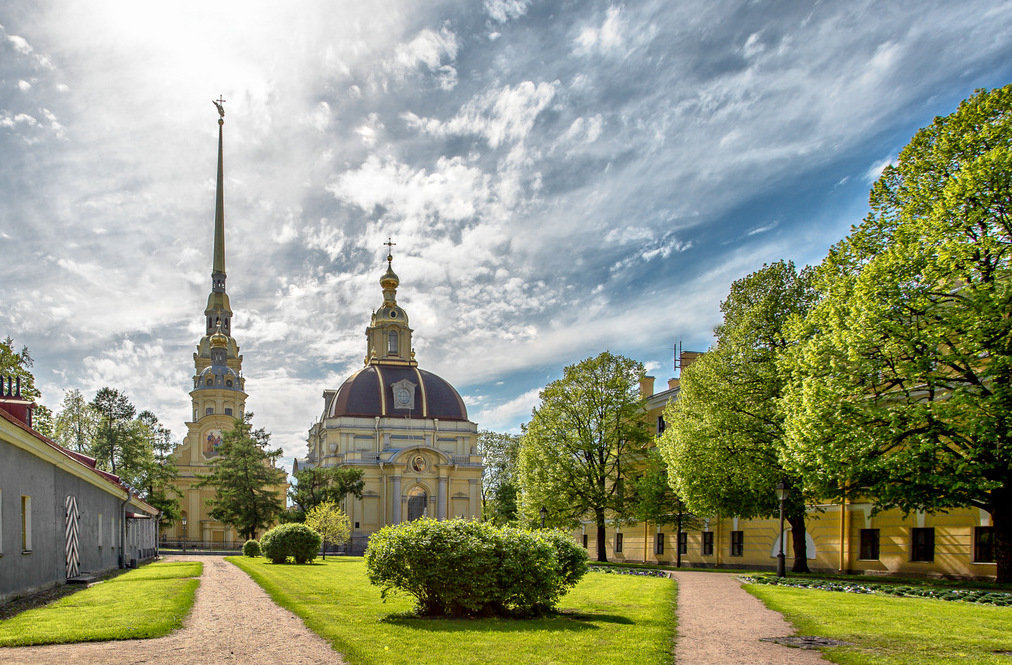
(218, 103)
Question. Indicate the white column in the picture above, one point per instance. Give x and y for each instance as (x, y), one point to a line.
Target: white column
(397, 500)
(442, 499)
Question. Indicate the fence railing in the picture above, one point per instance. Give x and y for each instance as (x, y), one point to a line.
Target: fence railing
(198, 545)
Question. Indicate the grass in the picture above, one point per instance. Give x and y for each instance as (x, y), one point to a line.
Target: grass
(603, 620)
(886, 630)
(148, 602)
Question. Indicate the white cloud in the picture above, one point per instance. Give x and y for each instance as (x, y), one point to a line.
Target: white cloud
(24, 86)
(499, 115)
(505, 414)
(874, 171)
(432, 50)
(605, 38)
(505, 10)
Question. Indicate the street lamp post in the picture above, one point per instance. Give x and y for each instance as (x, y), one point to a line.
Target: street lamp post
(782, 495)
(184, 535)
(544, 513)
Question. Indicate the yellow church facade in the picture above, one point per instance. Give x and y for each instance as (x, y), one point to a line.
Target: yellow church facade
(218, 399)
(842, 537)
(406, 428)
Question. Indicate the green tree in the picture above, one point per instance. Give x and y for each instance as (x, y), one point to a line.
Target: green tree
(901, 386)
(330, 522)
(576, 451)
(653, 500)
(43, 421)
(245, 479)
(17, 364)
(115, 439)
(726, 435)
(158, 487)
(499, 477)
(317, 485)
(76, 423)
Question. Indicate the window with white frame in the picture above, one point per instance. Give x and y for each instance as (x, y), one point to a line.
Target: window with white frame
(100, 531)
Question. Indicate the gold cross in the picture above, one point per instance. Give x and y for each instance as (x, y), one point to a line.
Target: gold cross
(389, 246)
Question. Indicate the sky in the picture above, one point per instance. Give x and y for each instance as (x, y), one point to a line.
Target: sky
(560, 178)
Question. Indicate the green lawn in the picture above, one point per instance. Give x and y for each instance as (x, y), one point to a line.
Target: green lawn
(148, 602)
(894, 631)
(605, 619)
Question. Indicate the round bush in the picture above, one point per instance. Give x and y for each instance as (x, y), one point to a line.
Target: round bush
(458, 568)
(251, 548)
(293, 540)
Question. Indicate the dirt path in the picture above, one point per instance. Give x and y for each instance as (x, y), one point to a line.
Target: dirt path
(719, 622)
(233, 621)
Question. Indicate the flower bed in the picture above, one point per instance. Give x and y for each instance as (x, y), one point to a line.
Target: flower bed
(980, 596)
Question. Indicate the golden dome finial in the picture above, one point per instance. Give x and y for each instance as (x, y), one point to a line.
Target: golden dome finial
(218, 339)
(389, 280)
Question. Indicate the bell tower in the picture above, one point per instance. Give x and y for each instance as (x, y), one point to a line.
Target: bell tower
(388, 335)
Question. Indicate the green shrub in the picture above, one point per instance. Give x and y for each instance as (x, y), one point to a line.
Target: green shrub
(251, 548)
(458, 568)
(293, 540)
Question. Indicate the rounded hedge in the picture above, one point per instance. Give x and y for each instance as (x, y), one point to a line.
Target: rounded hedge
(251, 548)
(293, 540)
(458, 568)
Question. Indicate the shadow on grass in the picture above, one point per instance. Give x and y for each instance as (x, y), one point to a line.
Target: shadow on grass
(565, 621)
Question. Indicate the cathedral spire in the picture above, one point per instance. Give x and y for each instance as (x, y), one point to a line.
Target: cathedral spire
(218, 310)
(218, 263)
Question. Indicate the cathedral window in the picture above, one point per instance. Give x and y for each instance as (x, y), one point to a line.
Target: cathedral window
(228, 411)
(228, 382)
(392, 342)
(210, 381)
(209, 411)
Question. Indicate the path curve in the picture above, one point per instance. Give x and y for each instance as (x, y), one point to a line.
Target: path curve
(719, 622)
(233, 621)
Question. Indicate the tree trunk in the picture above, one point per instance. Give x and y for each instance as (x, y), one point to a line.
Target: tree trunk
(797, 522)
(602, 553)
(1001, 518)
(678, 542)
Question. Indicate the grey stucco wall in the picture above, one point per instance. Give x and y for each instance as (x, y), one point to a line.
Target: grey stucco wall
(24, 474)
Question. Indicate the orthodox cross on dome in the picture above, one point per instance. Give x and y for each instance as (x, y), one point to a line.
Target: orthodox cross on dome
(389, 246)
(218, 103)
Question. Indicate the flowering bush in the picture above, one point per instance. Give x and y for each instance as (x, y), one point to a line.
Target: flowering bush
(459, 568)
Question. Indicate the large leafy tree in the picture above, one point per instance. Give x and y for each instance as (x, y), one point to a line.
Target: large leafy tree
(582, 443)
(76, 423)
(157, 482)
(116, 441)
(317, 485)
(726, 435)
(499, 489)
(245, 479)
(901, 387)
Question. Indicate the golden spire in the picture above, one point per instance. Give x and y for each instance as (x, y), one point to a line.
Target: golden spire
(218, 263)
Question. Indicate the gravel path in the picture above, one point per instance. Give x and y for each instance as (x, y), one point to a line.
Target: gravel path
(233, 621)
(719, 622)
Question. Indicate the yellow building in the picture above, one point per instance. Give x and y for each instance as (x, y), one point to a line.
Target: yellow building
(841, 537)
(218, 399)
(406, 428)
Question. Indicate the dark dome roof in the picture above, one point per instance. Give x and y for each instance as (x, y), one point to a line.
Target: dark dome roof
(430, 395)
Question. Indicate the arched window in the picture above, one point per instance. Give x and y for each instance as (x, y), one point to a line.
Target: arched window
(392, 342)
(417, 502)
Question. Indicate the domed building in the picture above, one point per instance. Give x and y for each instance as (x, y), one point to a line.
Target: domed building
(406, 428)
